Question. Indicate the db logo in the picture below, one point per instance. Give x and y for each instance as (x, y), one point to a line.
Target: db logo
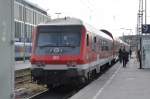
(56, 57)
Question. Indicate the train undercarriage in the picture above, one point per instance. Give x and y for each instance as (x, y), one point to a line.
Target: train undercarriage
(71, 76)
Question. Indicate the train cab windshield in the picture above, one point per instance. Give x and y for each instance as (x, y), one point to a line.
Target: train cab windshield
(58, 40)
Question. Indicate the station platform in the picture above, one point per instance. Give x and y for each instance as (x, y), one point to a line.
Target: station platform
(119, 83)
(22, 65)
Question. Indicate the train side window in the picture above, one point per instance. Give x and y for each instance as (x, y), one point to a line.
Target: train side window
(87, 40)
(94, 43)
(105, 48)
(100, 45)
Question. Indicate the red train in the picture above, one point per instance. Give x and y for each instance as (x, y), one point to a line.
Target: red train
(68, 51)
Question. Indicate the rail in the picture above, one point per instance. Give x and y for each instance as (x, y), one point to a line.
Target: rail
(22, 76)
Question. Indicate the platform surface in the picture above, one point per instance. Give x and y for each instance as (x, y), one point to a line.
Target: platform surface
(22, 65)
(119, 83)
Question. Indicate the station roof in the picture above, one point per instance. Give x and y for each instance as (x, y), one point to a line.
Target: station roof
(32, 5)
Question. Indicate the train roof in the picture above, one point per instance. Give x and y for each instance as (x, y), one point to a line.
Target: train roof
(74, 21)
(64, 21)
(121, 41)
(97, 32)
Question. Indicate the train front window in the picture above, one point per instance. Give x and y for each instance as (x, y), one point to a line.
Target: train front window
(47, 39)
(58, 36)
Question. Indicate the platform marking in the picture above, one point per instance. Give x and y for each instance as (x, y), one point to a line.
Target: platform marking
(106, 84)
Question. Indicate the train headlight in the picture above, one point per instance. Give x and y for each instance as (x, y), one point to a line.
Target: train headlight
(71, 64)
(39, 64)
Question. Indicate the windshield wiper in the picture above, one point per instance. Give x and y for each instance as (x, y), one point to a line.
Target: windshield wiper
(68, 45)
(55, 45)
(47, 45)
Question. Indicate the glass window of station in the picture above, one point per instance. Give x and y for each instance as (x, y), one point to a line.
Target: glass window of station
(26, 18)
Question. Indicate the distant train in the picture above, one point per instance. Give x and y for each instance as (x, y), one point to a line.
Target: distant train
(68, 51)
(20, 48)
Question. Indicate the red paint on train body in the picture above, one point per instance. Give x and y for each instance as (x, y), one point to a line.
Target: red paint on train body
(69, 49)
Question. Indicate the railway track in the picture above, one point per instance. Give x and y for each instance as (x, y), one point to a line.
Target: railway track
(37, 94)
(23, 83)
(58, 93)
(62, 93)
(24, 87)
(22, 76)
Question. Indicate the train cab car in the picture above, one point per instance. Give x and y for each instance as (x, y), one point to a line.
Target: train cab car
(67, 50)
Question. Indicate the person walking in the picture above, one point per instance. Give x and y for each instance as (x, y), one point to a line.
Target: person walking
(120, 55)
(125, 56)
(130, 52)
(139, 58)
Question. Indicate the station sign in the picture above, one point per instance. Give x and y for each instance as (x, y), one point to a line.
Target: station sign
(146, 28)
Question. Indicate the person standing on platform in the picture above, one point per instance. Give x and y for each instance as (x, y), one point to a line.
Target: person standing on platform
(139, 58)
(125, 56)
(120, 55)
(130, 52)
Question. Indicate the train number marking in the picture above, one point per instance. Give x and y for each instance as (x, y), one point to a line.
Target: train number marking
(55, 57)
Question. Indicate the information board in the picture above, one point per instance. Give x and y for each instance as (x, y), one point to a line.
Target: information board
(146, 28)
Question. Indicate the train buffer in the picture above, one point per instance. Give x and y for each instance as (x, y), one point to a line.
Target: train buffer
(119, 83)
